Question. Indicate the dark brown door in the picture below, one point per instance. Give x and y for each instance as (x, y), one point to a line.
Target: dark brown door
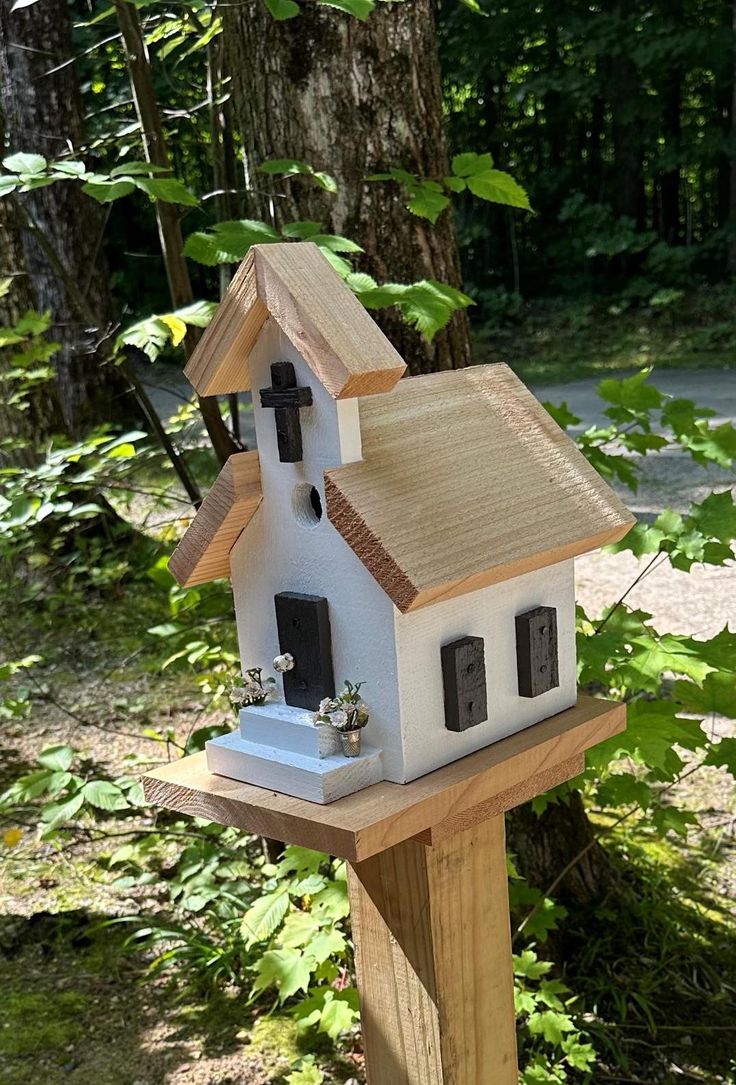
(303, 623)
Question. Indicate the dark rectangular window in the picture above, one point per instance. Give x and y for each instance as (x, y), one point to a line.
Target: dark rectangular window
(464, 678)
(536, 651)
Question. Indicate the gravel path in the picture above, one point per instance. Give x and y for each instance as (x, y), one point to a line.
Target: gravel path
(700, 602)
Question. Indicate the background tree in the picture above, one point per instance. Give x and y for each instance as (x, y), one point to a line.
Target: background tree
(42, 110)
(352, 99)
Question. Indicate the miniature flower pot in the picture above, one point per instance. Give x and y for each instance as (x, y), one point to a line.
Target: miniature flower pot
(350, 742)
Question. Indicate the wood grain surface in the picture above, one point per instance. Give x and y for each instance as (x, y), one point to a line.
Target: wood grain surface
(385, 814)
(466, 481)
(204, 551)
(433, 960)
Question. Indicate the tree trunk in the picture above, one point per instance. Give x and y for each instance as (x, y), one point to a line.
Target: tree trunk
(351, 98)
(732, 156)
(42, 113)
(167, 215)
(623, 82)
(561, 837)
(672, 132)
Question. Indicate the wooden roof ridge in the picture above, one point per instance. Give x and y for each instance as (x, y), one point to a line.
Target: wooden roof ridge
(298, 288)
(203, 553)
(465, 481)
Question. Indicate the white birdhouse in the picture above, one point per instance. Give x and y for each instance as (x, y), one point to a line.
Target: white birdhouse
(416, 536)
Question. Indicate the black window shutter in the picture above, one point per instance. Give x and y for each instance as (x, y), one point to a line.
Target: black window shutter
(464, 678)
(303, 623)
(536, 651)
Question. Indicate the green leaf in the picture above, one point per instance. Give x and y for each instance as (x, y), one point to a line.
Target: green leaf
(717, 694)
(550, 1024)
(298, 930)
(25, 163)
(282, 9)
(264, 917)
(8, 185)
(332, 901)
(105, 191)
(228, 242)
(427, 201)
(104, 795)
(57, 758)
(330, 942)
(134, 169)
(287, 970)
(526, 964)
(58, 813)
(300, 861)
(339, 1013)
(716, 516)
(73, 169)
(282, 166)
(723, 755)
(167, 189)
(302, 230)
(498, 187)
(633, 393)
(335, 243)
(653, 729)
(475, 7)
(465, 165)
(668, 819)
(562, 415)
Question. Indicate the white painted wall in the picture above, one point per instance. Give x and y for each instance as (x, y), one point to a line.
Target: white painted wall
(488, 613)
(282, 551)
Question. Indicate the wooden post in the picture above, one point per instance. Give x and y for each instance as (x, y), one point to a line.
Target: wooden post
(428, 889)
(433, 955)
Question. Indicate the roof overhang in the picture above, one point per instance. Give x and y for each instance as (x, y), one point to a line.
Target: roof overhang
(320, 316)
(204, 551)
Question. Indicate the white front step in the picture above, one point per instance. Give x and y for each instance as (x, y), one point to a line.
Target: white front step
(318, 779)
(283, 727)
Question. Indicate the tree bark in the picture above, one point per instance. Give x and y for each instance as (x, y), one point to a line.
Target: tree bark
(561, 837)
(167, 215)
(625, 97)
(42, 113)
(351, 98)
(732, 158)
(671, 95)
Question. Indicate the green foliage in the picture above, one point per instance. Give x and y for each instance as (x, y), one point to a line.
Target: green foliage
(26, 172)
(426, 305)
(551, 1043)
(428, 198)
(669, 680)
(154, 333)
(290, 167)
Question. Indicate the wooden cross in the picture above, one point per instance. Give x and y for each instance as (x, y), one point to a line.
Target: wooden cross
(428, 889)
(286, 399)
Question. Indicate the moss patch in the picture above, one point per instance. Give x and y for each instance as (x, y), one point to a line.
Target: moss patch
(40, 1022)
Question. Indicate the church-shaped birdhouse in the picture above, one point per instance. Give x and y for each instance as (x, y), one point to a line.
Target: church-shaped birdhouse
(412, 536)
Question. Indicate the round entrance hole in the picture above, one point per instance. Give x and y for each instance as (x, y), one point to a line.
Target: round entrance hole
(307, 504)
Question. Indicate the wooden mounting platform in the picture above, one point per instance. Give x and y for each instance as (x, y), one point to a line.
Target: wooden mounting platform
(451, 799)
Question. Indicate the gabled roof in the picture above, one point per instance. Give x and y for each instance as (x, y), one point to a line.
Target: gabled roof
(297, 286)
(466, 481)
(204, 552)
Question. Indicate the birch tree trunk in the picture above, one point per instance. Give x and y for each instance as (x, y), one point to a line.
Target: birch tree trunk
(41, 108)
(351, 98)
